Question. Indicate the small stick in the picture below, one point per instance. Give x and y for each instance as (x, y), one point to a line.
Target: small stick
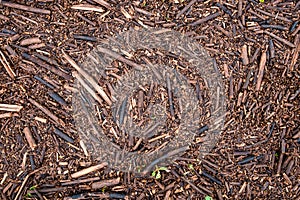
(46, 111)
(205, 19)
(243, 188)
(89, 170)
(29, 138)
(87, 7)
(40, 119)
(88, 78)
(296, 53)
(293, 27)
(63, 135)
(272, 49)
(26, 8)
(6, 65)
(279, 27)
(57, 98)
(257, 15)
(86, 19)
(231, 87)
(92, 93)
(202, 129)
(167, 155)
(119, 57)
(151, 129)
(94, 195)
(290, 166)
(222, 30)
(25, 181)
(279, 164)
(186, 8)
(170, 96)
(44, 82)
(271, 15)
(153, 68)
(271, 129)
(240, 7)
(143, 11)
(10, 108)
(80, 181)
(3, 17)
(244, 55)
(260, 75)
(86, 38)
(11, 51)
(248, 79)
(296, 31)
(103, 3)
(46, 66)
(25, 18)
(280, 39)
(31, 159)
(125, 13)
(105, 183)
(255, 55)
(140, 102)
(123, 110)
(46, 59)
(191, 184)
(224, 8)
(213, 179)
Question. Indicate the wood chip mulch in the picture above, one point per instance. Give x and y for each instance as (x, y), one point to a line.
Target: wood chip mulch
(256, 47)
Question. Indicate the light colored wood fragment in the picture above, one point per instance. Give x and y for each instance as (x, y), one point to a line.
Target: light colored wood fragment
(29, 41)
(262, 65)
(88, 170)
(29, 138)
(10, 108)
(88, 7)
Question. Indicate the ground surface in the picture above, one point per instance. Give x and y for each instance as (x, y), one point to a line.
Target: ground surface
(256, 47)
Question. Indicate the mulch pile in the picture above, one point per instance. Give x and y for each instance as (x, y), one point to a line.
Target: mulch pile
(256, 47)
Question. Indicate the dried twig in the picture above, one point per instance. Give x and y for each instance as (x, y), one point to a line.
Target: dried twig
(87, 7)
(10, 108)
(284, 41)
(90, 90)
(119, 57)
(62, 135)
(275, 16)
(185, 8)
(244, 55)
(29, 138)
(26, 8)
(6, 65)
(47, 112)
(88, 170)
(46, 66)
(25, 181)
(171, 105)
(88, 78)
(260, 75)
(205, 19)
(103, 3)
(296, 53)
(105, 183)
(80, 181)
